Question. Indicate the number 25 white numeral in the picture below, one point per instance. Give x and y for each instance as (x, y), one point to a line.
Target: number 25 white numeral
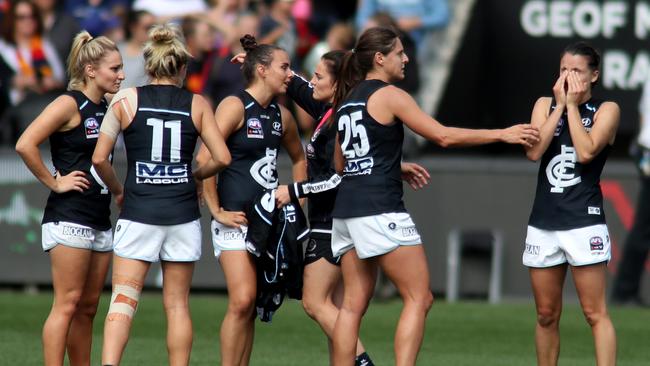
(348, 123)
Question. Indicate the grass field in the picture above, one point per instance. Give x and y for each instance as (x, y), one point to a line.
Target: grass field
(456, 335)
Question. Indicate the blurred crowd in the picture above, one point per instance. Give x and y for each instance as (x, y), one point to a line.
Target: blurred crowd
(35, 39)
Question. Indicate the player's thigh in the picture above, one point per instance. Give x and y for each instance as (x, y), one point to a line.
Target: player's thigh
(240, 272)
(320, 279)
(408, 269)
(359, 277)
(177, 279)
(590, 283)
(547, 284)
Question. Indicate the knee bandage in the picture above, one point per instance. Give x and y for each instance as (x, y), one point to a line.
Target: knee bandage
(124, 301)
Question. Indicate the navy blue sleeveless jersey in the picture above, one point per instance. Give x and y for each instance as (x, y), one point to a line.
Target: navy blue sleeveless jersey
(254, 151)
(322, 183)
(160, 143)
(568, 193)
(73, 150)
(372, 181)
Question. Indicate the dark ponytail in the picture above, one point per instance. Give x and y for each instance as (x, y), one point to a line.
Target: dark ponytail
(256, 54)
(360, 60)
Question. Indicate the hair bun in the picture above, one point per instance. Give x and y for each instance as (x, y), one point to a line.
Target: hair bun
(248, 42)
(162, 34)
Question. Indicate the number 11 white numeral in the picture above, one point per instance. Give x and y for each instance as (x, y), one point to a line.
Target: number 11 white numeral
(157, 141)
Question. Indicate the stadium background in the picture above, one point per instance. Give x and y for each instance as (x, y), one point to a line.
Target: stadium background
(497, 58)
(493, 60)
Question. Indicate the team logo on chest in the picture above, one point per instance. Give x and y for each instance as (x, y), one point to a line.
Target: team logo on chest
(559, 170)
(587, 123)
(277, 128)
(254, 129)
(264, 170)
(91, 126)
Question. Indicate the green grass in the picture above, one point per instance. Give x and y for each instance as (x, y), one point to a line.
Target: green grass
(458, 334)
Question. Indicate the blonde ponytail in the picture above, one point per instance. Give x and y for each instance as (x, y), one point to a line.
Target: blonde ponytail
(86, 50)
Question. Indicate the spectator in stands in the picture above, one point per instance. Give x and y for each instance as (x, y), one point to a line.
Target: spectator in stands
(278, 27)
(224, 77)
(4, 7)
(37, 72)
(301, 12)
(5, 81)
(411, 81)
(416, 17)
(222, 16)
(59, 27)
(340, 37)
(166, 10)
(99, 17)
(627, 284)
(327, 13)
(138, 24)
(199, 37)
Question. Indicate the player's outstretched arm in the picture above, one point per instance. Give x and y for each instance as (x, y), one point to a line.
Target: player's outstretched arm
(404, 107)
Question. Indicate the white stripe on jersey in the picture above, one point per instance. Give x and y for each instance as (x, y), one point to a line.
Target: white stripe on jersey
(305, 80)
(352, 105)
(164, 111)
(249, 105)
(83, 105)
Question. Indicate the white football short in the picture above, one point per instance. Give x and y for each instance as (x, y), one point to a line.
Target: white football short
(151, 243)
(227, 238)
(578, 247)
(75, 236)
(373, 235)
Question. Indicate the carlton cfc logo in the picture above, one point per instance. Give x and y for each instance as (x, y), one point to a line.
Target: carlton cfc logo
(596, 243)
(560, 170)
(264, 170)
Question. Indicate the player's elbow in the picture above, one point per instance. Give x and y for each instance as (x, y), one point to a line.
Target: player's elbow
(585, 157)
(98, 160)
(223, 160)
(22, 147)
(533, 155)
(443, 140)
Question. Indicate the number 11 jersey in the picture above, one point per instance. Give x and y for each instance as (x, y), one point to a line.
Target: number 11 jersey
(160, 142)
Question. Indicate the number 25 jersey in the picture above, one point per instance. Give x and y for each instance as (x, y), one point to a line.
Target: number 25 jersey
(371, 183)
